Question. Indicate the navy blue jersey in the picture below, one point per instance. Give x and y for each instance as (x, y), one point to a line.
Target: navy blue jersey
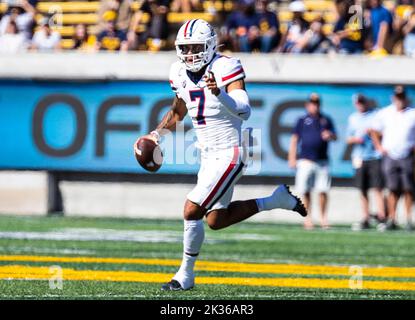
(354, 42)
(309, 129)
(240, 20)
(111, 41)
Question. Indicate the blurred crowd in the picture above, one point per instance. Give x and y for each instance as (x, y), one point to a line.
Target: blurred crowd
(251, 26)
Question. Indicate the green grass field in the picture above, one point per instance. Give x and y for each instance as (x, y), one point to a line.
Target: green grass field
(129, 259)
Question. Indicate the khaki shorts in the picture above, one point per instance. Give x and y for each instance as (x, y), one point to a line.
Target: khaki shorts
(312, 175)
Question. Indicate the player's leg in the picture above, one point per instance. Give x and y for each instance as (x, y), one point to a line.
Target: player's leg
(193, 237)
(237, 211)
(214, 176)
(225, 213)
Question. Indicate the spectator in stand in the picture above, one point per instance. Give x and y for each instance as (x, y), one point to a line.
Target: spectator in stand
(296, 28)
(22, 13)
(12, 41)
(111, 39)
(156, 29)
(45, 39)
(242, 26)
(381, 27)
(348, 33)
(82, 40)
(269, 27)
(186, 6)
(312, 135)
(408, 31)
(122, 10)
(365, 159)
(396, 125)
(314, 39)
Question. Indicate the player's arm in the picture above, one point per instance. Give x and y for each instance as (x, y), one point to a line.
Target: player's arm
(234, 97)
(176, 113)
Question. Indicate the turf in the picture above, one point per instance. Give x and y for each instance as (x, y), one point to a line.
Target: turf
(246, 242)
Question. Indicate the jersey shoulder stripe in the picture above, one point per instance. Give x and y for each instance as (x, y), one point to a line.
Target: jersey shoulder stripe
(227, 69)
(233, 75)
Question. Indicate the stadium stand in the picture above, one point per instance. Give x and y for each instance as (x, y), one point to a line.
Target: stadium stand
(70, 13)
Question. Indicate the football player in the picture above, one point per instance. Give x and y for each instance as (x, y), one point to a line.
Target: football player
(210, 88)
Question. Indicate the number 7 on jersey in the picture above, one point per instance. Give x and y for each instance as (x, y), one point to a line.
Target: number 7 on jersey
(199, 94)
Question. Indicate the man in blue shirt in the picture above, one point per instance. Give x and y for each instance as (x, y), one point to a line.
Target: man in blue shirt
(243, 25)
(380, 24)
(348, 32)
(269, 27)
(311, 135)
(366, 159)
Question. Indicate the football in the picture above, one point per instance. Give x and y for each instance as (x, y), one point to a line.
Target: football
(148, 154)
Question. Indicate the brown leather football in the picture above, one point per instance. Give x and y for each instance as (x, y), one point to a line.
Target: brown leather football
(148, 154)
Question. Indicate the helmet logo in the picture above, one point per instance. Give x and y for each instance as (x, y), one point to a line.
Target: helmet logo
(188, 29)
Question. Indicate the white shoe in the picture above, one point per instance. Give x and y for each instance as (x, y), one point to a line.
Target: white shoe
(187, 281)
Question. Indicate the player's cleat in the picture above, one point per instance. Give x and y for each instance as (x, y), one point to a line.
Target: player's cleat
(173, 285)
(299, 207)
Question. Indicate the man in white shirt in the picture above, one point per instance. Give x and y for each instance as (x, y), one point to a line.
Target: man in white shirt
(21, 12)
(393, 134)
(46, 39)
(12, 41)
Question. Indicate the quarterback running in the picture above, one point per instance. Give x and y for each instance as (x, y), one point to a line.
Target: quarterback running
(210, 88)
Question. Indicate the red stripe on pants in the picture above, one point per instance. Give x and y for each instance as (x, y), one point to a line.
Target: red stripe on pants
(223, 178)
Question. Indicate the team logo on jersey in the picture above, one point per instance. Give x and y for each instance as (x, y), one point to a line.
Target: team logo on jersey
(308, 121)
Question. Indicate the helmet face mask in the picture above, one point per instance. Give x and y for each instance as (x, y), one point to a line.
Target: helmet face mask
(196, 45)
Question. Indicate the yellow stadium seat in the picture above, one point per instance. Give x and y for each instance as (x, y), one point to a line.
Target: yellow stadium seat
(319, 5)
(73, 18)
(402, 11)
(72, 6)
(176, 17)
(218, 5)
(67, 43)
(228, 5)
(285, 16)
(3, 7)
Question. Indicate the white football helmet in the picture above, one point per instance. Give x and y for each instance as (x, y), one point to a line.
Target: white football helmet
(194, 32)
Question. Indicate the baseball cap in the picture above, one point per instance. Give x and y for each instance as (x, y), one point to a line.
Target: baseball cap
(399, 92)
(297, 6)
(360, 98)
(314, 98)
